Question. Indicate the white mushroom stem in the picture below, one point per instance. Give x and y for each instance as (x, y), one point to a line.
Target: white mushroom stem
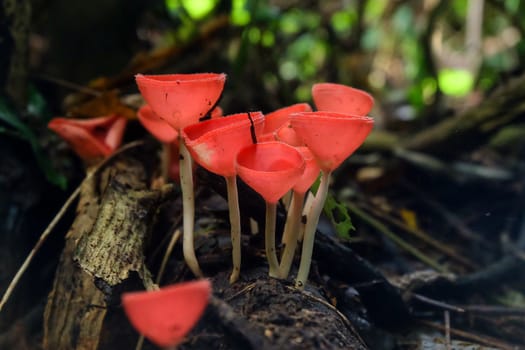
(291, 232)
(188, 209)
(235, 225)
(309, 231)
(269, 239)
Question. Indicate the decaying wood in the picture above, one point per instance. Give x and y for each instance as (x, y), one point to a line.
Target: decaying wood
(471, 128)
(467, 130)
(114, 213)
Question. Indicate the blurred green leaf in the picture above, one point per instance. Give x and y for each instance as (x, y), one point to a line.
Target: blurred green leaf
(337, 213)
(455, 82)
(8, 116)
(240, 16)
(199, 9)
(342, 21)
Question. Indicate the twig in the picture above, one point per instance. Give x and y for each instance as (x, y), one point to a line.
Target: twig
(433, 302)
(174, 238)
(345, 320)
(473, 337)
(447, 329)
(395, 238)
(441, 247)
(461, 229)
(57, 218)
(69, 85)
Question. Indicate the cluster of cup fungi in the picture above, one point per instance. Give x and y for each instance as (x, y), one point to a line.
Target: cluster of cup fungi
(281, 152)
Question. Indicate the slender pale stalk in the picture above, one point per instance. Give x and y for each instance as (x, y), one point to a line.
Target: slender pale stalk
(309, 231)
(291, 232)
(269, 239)
(188, 209)
(235, 224)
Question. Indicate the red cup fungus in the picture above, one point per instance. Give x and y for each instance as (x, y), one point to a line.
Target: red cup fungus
(214, 144)
(271, 169)
(167, 315)
(341, 98)
(91, 139)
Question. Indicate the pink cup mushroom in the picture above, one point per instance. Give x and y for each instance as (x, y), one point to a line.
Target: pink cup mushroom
(214, 144)
(181, 100)
(166, 135)
(274, 120)
(166, 315)
(293, 219)
(340, 98)
(331, 137)
(91, 139)
(271, 169)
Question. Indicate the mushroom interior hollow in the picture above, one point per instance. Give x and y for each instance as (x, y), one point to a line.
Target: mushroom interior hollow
(270, 157)
(196, 131)
(214, 143)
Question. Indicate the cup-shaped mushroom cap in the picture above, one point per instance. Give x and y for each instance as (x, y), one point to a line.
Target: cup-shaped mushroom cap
(156, 126)
(270, 168)
(279, 117)
(340, 98)
(92, 138)
(311, 171)
(215, 143)
(181, 99)
(288, 135)
(165, 316)
(332, 137)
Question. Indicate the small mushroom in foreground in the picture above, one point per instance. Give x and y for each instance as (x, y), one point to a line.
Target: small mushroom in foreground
(331, 137)
(271, 169)
(91, 139)
(181, 100)
(166, 316)
(214, 144)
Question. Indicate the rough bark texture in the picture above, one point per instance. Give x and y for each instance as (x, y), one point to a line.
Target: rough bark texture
(471, 128)
(113, 217)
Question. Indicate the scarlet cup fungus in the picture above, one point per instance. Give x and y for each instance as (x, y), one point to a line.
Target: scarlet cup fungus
(91, 139)
(274, 120)
(271, 169)
(340, 98)
(331, 137)
(166, 315)
(165, 134)
(214, 145)
(181, 100)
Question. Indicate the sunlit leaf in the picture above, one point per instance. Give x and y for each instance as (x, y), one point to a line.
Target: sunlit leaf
(455, 82)
(240, 16)
(198, 9)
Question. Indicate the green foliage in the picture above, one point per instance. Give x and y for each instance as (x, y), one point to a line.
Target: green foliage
(18, 129)
(402, 52)
(337, 213)
(455, 82)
